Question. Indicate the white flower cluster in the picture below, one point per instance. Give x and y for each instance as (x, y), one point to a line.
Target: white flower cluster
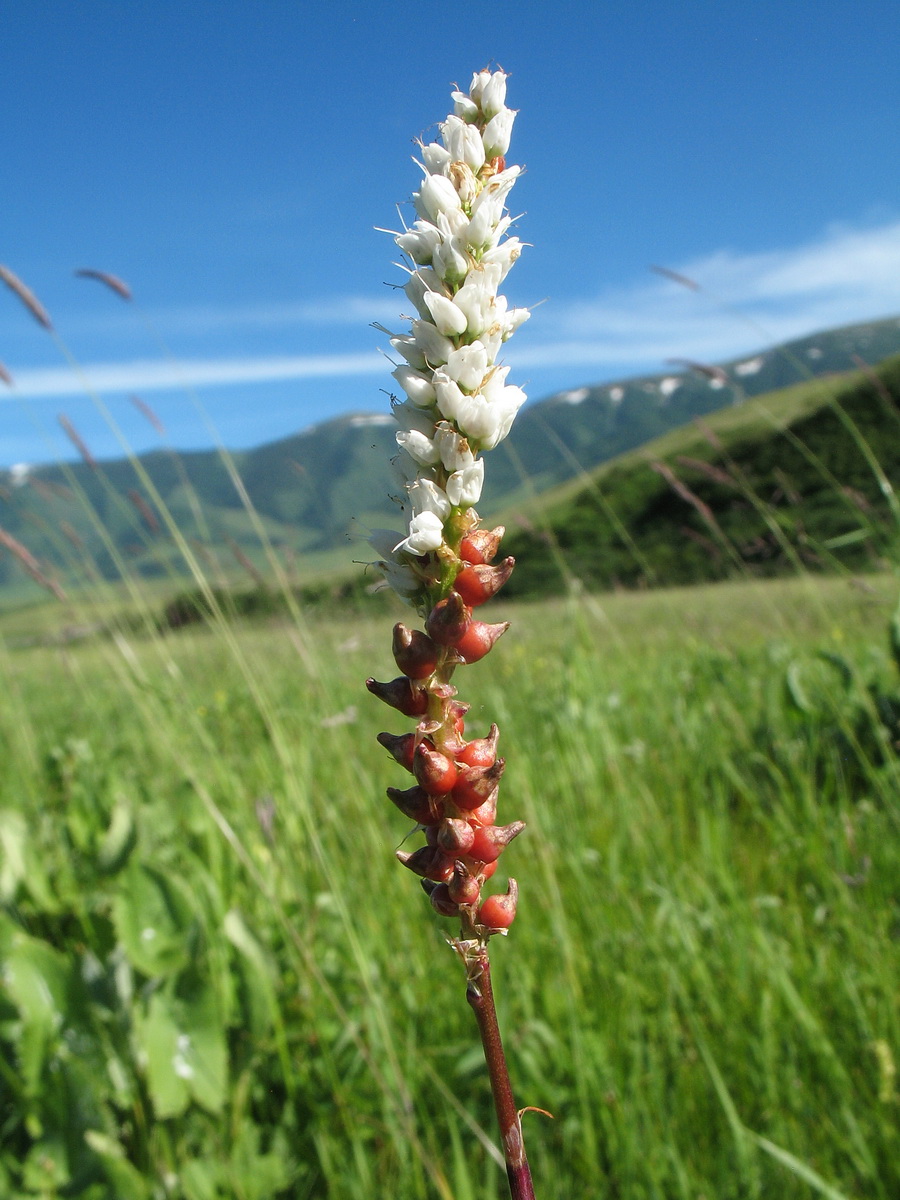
(458, 402)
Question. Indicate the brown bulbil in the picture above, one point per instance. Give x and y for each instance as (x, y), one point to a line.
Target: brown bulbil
(476, 584)
(464, 888)
(477, 785)
(434, 771)
(442, 902)
(478, 640)
(455, 836)
(416, 804)
(481, 545)
(401, 694)
(401, 745)
(428, 862)
(491, 840)
(415, 653)
(448, 620)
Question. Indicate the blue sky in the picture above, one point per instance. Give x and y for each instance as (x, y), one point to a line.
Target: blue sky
(231, 160)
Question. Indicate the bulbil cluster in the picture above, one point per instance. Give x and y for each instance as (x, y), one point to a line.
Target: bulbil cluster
(456, 405)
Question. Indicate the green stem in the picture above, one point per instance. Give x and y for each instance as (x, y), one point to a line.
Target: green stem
(480, 996)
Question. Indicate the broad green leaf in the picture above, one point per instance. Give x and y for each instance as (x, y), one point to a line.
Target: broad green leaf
(125, 1180)
(119, 839)
(38, 981)
(256, 974)
(13, 834)
(154, 920)
(184, 1047)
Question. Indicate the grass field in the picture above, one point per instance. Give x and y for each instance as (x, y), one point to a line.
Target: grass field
(219, 983)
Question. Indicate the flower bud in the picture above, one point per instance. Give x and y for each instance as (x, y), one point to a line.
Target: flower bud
(455, 836)
(428, 862)
(448, 620)
(475, 785)
(416, 804)
(491, 840)
(401, 694)
(480, 752)
(415, 654)
(402, 746)
(498, 912)
(481, 545)
(434, 771)
(478, 640)
(476, 584)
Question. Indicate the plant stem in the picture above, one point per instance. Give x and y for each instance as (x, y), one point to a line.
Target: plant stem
(480, 996)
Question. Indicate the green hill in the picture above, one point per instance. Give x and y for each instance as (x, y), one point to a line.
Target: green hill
(802, 477)
(316, 494)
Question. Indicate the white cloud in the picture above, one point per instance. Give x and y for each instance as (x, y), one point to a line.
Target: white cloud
(744, 301)
(162, 376)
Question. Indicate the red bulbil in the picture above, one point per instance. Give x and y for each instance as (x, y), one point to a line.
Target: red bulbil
(478, 583)
(415, 653)
(491, 840)
(402, 694)
(478, 640)
(476, 785)
(487, 870)
(435, 772)
(455, 836)
(498, 912)
(481, 752)
(416, 804)
(481, 545)
(448, 620)
(484, 814)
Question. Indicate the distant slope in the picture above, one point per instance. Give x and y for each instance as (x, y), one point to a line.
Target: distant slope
(803, 477)
(323, 489)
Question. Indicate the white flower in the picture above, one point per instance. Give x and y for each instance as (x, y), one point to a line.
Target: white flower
(383, 541)
(417, 446)
(497, 133)
(410, 416)
(464, 106)
(400, 577)
(408, 346)
(451, 260)
(464, 487)
(492, 97)
(434, 345)
(478, 299)
(436, 158)
(458, 402)
(417, 386)
(426, 532)
(437, 194)
(448, 317)
(419, 242)
(479, 80)
(504, 255)
(426, 496)
(421, 281)
(453, 449)
(463, 142)
(467, 366)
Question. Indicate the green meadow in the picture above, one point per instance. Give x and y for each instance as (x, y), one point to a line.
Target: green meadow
(218, 983)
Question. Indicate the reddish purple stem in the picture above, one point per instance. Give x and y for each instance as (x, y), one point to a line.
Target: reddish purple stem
(480, 996)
